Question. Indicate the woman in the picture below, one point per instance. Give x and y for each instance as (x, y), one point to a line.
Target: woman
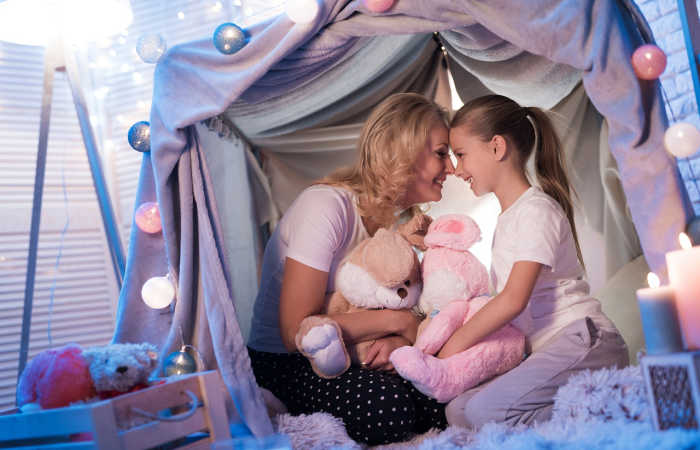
(403, 161)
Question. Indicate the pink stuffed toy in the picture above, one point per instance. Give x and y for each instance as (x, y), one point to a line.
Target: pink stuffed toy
(56, 378)
(454, 286)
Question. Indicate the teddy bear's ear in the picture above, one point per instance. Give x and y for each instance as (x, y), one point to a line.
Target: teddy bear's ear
(455, 231)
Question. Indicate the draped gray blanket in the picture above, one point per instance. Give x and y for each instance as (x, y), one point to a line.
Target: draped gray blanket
(547, 44)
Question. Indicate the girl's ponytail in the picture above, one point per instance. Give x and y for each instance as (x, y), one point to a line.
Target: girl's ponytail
(550, 167)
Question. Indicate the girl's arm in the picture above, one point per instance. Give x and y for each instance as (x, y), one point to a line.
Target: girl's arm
(303, 294)
(503, 308)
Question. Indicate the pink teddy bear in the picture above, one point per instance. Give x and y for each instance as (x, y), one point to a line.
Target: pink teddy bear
(454, 286)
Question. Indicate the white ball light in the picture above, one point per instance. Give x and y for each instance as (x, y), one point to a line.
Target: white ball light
(158, 292)
(302, 11)
(682, 139)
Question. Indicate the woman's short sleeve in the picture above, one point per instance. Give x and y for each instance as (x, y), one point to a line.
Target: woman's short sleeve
(317, 226)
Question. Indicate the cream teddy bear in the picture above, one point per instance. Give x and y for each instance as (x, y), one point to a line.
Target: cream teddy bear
(381, 272)
(455, 288)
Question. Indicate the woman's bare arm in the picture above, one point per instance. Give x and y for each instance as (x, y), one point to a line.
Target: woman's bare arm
(303, 294)
(503, 308)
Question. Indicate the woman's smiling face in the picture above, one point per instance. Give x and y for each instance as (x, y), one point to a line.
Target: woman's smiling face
(432, 166)
(475, 159)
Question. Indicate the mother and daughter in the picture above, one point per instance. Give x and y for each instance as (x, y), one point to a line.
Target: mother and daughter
(536, 271)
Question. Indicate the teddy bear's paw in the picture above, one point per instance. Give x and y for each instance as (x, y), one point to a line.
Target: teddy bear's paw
(325, 349)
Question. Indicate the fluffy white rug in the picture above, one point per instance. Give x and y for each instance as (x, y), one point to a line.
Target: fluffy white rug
(605, 409)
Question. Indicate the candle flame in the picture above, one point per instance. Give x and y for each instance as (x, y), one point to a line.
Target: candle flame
(685, 241)
(653, 280)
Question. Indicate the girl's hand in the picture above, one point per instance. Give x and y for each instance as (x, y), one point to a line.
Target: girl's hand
(377, 356)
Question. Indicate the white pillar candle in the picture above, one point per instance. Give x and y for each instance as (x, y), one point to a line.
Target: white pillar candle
(684, 274)
(659, 318)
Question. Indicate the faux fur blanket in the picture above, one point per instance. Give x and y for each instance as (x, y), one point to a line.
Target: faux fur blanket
(605, 409)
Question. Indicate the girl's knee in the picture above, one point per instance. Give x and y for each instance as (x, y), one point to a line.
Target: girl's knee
(471, 410)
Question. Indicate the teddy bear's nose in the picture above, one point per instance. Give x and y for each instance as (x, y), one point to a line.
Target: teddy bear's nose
(402, 292)
(122, 369)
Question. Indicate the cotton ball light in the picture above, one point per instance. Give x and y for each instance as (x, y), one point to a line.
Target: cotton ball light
(150, 47)
(302, 11)
(158, 292)
(229, 38)
(378, 6)
(139, 136)
(649, 62)
(682, 139)
(147, 218)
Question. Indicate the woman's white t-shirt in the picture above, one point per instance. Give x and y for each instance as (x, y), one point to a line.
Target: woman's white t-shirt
(318, 229)
(535, 228)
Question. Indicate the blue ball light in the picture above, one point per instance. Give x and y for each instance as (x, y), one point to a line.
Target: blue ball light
(179, 363)
(140, 136)
(229, 38)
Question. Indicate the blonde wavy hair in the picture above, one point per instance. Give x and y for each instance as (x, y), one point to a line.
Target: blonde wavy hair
(393, 136)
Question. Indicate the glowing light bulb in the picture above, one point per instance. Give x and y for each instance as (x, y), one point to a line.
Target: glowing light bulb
(682, 139)
(684, 241)
(158, 292)
(302, 11)
(653, 280)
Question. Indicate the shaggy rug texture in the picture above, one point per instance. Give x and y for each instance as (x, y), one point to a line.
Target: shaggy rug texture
(604, 409)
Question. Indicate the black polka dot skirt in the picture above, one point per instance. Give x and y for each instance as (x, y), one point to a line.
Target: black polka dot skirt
(377, 407)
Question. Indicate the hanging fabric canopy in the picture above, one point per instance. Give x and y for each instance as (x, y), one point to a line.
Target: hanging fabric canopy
(298, 93)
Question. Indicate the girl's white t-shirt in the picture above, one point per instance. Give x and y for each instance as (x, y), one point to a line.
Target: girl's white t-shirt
(318, 229)
(535, 228)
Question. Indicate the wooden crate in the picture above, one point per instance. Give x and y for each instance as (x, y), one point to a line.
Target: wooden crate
(673, 388)
(191, 408)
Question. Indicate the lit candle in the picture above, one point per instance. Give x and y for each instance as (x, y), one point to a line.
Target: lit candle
(684, 274)
(657, 309)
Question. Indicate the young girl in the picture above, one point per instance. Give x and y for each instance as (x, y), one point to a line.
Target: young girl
(536, 266)
(403, 160)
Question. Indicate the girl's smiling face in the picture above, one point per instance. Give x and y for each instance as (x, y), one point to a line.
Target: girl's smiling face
(432, 166)
(476, 159)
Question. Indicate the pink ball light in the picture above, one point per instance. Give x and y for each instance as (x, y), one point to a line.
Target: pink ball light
(379, 6)
(147, 218)
(649, 62)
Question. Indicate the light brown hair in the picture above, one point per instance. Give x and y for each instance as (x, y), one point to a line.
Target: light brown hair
(392, 137)
(523, 128)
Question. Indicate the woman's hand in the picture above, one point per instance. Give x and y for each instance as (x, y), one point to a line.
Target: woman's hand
(377, 355)
(407, 323)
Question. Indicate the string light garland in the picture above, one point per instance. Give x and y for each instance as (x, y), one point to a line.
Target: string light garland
(229, 38)
(139, 136)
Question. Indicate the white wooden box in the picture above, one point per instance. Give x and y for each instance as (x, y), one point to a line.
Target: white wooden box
(196, 403)
(673, 388)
